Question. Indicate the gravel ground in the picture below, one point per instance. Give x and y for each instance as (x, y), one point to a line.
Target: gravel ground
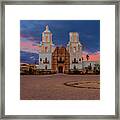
(52, 87)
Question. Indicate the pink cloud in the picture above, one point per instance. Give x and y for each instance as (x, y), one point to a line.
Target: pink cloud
(29, 46)
(24, 37)
(92, 57)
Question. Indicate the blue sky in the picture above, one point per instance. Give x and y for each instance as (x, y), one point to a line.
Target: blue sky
(89, 32)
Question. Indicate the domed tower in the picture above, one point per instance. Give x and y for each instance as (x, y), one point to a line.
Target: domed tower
(75, 49)
(46, 48)
(46, 41)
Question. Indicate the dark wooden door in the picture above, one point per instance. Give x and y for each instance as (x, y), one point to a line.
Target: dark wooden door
(60, 69)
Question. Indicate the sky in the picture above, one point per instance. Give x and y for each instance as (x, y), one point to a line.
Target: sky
(31, 35)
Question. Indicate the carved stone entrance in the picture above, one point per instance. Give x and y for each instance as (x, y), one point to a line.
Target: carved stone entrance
(60, 69)
(60, 60)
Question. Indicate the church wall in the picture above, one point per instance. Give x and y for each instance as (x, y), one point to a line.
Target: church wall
(75, 49)
(78, 57)
(87, 63)
(46, 46)
(78, 66)
(43, 63)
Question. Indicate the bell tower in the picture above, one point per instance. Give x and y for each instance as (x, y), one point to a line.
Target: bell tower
(46, 47)
(74, 43)
(46, 40)
(75, 49)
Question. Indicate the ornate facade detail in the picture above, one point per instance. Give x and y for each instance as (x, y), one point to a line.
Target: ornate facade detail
(60, 60)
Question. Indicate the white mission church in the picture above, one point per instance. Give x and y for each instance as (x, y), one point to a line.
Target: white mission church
(74, 48)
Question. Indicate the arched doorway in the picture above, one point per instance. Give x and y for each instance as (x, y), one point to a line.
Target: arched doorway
(60, 69)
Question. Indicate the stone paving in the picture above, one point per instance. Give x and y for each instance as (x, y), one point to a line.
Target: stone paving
(60, 87)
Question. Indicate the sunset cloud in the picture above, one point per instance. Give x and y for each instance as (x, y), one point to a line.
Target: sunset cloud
(92, 56)
(29, 46)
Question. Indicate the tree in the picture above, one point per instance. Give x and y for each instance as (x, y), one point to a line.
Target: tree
(87, 57)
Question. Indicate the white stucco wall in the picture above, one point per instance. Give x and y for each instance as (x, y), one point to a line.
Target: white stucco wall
(77, 55)
(87, 63)
(78, 66)
(75, 49)
(49, 58)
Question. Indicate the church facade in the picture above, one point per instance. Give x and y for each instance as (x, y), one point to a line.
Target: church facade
(61, 59)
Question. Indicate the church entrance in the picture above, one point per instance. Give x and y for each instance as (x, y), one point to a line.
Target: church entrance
(60, 60)
(60, 69)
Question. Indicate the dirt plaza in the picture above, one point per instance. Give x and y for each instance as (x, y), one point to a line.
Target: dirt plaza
(60, 87)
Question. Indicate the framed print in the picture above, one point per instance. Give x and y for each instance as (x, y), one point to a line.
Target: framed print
(59, 59)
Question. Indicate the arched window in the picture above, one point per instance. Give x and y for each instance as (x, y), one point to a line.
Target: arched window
(74, 67)
(60, 59)
(74, 59)
(46, 59)
(40, 59)
(46, 49)
(74, 49)
(46, 67)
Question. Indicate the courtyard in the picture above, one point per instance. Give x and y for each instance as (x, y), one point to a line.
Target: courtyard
(60, 87)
